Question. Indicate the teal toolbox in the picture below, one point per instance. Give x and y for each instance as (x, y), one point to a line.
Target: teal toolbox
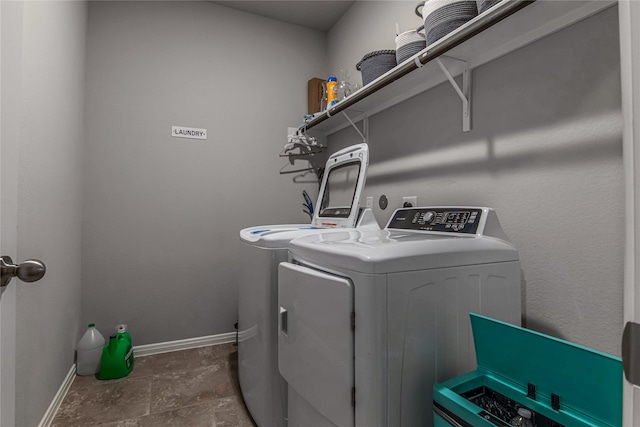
(563, 384)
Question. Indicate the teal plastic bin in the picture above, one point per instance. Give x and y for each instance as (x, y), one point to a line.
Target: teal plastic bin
(564, 384)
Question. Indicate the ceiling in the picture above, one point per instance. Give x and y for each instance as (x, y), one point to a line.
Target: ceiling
(316, 14)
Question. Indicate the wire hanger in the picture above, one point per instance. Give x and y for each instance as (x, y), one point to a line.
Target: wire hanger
(284, 170)
(299, 179)
(305, 144)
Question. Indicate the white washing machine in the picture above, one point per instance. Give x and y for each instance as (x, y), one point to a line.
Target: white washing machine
(369, 320)
(262, 249)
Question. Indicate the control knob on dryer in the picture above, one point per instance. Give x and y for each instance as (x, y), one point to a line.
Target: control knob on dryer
(429, 216)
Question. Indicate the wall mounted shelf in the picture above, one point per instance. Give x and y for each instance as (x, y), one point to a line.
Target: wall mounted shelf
(509, 25)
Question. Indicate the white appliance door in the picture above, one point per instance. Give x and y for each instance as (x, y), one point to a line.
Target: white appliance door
(315, 340)
(344, 176)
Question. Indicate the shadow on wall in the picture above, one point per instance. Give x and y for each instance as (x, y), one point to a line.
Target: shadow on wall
(589, 139)
(538, 325)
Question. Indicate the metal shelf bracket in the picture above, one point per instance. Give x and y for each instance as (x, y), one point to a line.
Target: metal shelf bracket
(365, 126)
(464, 93)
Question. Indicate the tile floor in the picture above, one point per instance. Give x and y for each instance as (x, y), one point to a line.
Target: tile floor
(196, 387)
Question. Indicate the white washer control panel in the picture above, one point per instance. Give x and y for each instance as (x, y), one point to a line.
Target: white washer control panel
(448, 220)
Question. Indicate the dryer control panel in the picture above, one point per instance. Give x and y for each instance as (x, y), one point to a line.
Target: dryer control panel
(447, 220)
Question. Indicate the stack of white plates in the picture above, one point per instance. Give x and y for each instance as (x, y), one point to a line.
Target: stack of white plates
(443, 16)
(408, 44)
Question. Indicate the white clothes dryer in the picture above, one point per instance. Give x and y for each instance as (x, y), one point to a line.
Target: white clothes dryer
(369, 320)
(262, 248)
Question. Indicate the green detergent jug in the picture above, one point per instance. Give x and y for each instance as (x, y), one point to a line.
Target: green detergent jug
(122, 329)
(117, 357)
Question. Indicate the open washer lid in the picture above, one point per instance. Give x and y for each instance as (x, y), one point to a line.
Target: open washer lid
(344, 177)
(337, 205)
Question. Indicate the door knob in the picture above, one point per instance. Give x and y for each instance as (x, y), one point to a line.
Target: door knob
(29, 271)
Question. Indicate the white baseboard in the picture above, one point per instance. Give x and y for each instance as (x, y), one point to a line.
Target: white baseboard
(139, 350)
(50, 414)
(165, 347)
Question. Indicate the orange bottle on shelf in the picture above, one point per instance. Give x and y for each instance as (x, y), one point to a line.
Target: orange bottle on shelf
(332, 91)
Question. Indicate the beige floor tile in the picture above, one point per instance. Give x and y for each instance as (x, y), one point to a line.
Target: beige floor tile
(183, 360)
(191, 416)
(178, 389)
(231, 412)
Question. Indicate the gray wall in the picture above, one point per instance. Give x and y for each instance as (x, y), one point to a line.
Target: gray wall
(49, 200)
(161, 214)
(545, 151)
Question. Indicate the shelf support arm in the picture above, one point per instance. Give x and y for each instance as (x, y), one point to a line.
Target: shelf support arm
(365, 121)
(464, 93)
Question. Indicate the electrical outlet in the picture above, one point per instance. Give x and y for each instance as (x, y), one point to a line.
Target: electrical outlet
(369, 203)
(409, 201)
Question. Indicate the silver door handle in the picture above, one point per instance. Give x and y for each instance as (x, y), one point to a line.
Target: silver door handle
(29, 271)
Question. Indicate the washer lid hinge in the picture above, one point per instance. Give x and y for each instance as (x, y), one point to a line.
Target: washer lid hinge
(353, 396)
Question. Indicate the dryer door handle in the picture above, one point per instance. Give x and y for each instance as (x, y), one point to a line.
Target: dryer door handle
(284, 321)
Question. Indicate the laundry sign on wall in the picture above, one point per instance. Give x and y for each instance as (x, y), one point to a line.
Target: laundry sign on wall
(193, 133)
